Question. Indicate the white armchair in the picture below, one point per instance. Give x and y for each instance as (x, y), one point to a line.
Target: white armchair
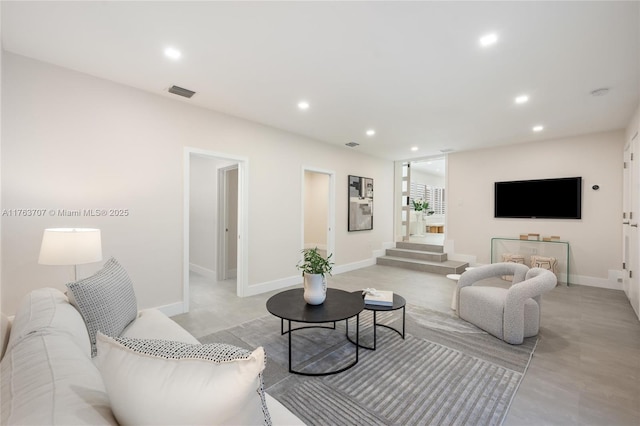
(509, 314)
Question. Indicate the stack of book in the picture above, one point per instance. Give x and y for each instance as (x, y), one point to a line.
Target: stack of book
(378, 297)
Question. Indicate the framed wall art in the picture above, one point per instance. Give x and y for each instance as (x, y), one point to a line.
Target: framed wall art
(360, 203)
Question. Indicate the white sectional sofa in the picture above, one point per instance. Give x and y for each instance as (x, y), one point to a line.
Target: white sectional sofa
(48, 376)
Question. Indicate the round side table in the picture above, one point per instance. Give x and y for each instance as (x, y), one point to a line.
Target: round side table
(454, 299)
(398, 303)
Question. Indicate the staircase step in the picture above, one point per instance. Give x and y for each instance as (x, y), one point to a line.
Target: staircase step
(417, 254)
(443, 268)
(420, 246)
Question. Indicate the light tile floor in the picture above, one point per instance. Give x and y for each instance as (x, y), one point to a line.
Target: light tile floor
(585, 370)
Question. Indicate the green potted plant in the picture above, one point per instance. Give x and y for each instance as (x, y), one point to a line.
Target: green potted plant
(314, 266)
(422, 206)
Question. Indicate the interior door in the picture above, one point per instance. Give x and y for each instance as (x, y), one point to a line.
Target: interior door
(405, 206)
(228, 231)
(631, 206)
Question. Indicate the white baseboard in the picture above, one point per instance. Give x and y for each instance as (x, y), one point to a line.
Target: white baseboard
(383, 250)
(273, 285)
(353, 266)
(202, 271)
(610, 283)
(297, 280)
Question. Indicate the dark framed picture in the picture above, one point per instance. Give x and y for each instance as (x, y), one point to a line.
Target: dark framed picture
(360, 203)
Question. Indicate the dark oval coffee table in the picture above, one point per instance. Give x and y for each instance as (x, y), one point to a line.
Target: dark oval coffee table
(338, 306)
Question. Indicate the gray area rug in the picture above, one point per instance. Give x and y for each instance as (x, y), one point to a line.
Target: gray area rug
(446, 371)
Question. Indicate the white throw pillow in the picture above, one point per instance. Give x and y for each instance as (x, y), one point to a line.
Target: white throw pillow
(161, 382)
(106, 301)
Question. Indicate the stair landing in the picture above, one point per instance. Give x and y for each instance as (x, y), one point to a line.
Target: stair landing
(421, 257)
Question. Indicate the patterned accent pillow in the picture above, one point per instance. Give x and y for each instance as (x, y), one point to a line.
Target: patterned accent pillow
(549, 263)
(106, 301)
(513, 258)
(164, 382)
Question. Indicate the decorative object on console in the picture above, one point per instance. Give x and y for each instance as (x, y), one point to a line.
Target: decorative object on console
(106, 301)
(314, 267)
(377, 297)
(70, 246)
(530, 237)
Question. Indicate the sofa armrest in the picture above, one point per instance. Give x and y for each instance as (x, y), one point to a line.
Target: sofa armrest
(479, 273)
(280, 415)
(153, 324)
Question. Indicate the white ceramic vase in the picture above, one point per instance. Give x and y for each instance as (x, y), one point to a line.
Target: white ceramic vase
(315, 288)
(419, 224)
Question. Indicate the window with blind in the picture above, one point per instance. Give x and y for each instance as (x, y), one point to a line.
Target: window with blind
(433, 194)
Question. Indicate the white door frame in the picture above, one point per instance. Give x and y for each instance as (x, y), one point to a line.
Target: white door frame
(630, 235)
(331, 207)
(222, 244)
(243, 220)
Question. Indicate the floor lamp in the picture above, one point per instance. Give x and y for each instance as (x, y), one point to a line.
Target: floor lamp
(70, 246)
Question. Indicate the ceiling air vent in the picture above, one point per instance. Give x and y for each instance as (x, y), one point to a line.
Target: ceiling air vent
(352, 144)
(181, 92)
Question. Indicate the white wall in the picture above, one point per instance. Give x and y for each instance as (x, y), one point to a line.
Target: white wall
(424, 178)
(72, 141)
(595, 239)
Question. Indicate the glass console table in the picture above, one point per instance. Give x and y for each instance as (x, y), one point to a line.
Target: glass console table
(527, 248)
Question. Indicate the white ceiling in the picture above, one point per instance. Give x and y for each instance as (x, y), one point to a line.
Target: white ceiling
(413, 71)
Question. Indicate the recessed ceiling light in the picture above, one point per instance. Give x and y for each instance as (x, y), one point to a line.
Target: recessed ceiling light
(172, 53)
(488, 39)
(414, 148)
(522, 99)
(303, 105)
(538, 128)
(371, 132)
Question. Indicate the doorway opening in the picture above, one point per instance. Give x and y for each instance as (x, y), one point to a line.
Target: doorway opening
(227, 237)
(422, 181)
(318, 210)
(215, 221)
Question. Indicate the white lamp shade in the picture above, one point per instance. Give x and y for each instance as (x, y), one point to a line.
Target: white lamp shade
(70, 246)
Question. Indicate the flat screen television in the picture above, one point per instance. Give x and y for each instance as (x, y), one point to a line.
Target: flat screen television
(559, 198)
